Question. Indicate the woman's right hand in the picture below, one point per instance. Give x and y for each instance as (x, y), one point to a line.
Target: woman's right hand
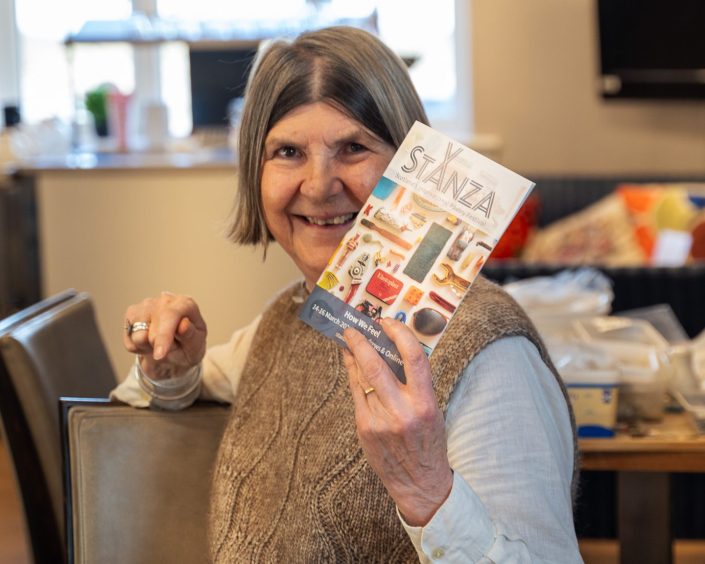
(175, 340)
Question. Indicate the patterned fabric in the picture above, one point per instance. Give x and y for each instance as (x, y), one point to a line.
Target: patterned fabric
(291, 482)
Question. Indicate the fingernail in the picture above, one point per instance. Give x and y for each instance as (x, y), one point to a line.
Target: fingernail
(158, 352)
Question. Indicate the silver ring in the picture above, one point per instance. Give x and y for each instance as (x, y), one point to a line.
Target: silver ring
(138, 326)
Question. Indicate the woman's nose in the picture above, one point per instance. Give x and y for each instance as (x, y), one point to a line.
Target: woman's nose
(321, 179)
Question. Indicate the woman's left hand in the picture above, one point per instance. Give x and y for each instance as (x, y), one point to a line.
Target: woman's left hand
(401, 428)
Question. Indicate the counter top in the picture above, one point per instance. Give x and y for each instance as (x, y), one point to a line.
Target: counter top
(203, 158)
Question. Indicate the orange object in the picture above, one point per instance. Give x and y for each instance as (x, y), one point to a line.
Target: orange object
(640, 201)
(514, 238)
(640, 198)
(697, 250)
(646, 238)
(387, 234)
(398, 197)
(413, 295)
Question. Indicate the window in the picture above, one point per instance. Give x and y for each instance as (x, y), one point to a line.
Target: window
(54, 78)
(437, 39)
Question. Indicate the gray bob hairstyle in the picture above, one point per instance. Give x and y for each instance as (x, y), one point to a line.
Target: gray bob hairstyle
(346, 67)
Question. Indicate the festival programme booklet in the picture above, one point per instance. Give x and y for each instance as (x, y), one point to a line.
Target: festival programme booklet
(417, 244)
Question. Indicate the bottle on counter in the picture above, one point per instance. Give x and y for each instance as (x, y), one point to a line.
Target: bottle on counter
(11, 115)
(83, 131)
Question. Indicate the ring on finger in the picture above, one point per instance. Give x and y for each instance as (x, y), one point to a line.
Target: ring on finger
(136, 327)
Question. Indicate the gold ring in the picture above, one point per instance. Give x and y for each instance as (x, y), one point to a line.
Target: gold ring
(369, 390)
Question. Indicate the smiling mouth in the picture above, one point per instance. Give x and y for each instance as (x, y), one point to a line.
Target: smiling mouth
(337, 220)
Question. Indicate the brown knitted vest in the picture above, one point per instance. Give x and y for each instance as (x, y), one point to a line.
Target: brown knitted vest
(291, 483)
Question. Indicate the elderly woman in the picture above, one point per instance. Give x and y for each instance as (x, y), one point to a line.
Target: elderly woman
(472, 460)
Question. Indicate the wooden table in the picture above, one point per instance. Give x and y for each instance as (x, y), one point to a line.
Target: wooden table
(643, 465)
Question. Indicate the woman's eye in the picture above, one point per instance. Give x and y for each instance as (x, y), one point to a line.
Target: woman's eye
(356, 148)
(286, 152)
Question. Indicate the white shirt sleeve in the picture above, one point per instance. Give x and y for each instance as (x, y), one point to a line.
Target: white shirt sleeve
(220, 376)
(223, 364)
(511, 448)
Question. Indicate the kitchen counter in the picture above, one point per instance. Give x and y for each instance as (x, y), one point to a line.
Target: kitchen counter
(221, 157)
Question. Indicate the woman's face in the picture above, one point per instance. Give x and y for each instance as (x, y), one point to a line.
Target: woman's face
(319, 167)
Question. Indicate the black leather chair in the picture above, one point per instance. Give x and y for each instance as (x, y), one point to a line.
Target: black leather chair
(138, 481)
(49, 350)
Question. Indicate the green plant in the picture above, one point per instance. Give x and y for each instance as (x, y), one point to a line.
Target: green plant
(97, 104)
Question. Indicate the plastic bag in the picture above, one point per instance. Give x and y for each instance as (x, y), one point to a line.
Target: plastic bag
(582, 292)
(599, 234)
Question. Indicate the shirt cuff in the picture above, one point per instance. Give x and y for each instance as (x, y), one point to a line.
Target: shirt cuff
(130, 392)
(460, 530)
(139, 390)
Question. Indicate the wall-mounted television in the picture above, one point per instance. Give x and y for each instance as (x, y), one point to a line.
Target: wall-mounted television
(652, 48)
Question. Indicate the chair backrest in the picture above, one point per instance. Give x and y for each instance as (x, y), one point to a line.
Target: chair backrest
(56, 352)
(138, 481)
(45, 542)
(12, 321)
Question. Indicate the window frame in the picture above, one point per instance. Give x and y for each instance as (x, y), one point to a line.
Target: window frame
(9, 58)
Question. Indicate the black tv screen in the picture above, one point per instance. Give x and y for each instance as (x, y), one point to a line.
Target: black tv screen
(652, 48)
(217, 76)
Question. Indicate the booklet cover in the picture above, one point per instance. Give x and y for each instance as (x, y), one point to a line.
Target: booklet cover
(417, 244)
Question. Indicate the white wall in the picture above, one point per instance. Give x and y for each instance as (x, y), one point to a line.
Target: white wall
(535, 72)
